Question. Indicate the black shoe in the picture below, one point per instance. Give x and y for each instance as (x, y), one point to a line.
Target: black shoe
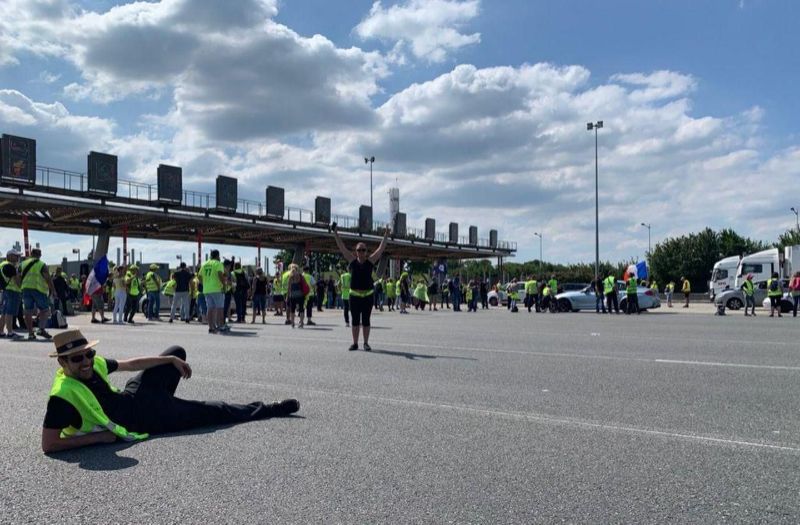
(212, 330)
(353, 347)
(130, 321)
(287, 407)
(95, 321)
(367, 348)
(170, 320)
(43, 333)
(287, 322)
(311, 323)
(31, 337)
(104, 320)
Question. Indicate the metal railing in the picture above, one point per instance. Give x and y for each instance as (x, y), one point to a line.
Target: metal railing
(66, 180)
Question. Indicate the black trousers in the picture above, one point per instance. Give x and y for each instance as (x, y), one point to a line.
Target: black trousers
(310, 302)
(611, 300)
(131, 305)
(633, 303)
(346, 303)
(160, 411)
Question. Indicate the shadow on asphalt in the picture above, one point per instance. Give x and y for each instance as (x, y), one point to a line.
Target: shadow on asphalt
(240, 333)
(106, 458)
(413, 356)
(318, 328)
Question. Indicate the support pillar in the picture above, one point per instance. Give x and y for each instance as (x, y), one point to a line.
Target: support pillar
(25, 243)
(382, 264)
(125, 245)
(103, 240)
(299, 252)
(199, 247)
(258, 259)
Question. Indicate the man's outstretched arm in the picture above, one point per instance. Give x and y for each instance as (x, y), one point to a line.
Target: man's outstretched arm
(53, 442)
(143, 363)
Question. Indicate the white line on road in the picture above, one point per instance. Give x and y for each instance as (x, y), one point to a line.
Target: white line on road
(736, 365)
(539, 418)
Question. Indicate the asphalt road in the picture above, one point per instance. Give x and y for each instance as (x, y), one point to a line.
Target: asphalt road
(467, 418)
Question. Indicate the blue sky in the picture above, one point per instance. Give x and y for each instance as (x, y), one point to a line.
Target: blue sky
(476, 108)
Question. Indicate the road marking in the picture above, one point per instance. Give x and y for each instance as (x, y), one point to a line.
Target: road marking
(538, 418)
(735, 365)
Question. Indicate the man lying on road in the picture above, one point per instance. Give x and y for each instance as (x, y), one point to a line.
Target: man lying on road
(85, 408)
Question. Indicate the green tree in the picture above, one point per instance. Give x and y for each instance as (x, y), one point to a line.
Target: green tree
(789, 238)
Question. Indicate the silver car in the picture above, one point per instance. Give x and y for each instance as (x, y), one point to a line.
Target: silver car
(734, 299)
(586, 300)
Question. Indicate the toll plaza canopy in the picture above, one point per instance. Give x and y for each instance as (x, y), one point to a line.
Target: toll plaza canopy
(62, 202)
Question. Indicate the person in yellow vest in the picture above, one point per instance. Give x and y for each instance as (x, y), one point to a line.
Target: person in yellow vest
(194, 301)
(344, 283)
(610, 291)
(277, 294)
(547, 303)
(120, 294)
(775, 293)
(36, 288)
(530, 292)
(632, 295)
(391, 293)
(285, 287)
(169, 291)
(669, 289)
(12, 294)
(686, 288)
(85, 408)
(134, 287)
(312, 294)
(213, 277)
(748, 289)
(152, 285)
(654, 287)
(75, 288)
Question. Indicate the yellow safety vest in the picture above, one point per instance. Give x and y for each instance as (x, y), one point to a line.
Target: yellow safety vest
(33, 278)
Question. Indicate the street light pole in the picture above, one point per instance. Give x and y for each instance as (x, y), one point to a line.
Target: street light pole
(648, 239)
(370, 161)
(78, 251)
(796, 218)
(540, 251)
(589, 127)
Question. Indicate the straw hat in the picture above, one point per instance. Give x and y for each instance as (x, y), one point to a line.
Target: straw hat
(70, 342)
(154, 266)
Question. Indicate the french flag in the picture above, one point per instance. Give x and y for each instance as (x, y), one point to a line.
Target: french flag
(638, 270)
(98, 276)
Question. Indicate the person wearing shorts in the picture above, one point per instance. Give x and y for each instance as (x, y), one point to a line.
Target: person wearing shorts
(259, 296)
(361, 285)
(36, 290)
(295, 294)
(12, 294)
(213, 277)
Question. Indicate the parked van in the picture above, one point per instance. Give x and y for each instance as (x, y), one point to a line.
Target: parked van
(723, 276)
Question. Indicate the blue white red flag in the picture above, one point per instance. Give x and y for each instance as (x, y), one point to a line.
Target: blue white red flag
(98, 276)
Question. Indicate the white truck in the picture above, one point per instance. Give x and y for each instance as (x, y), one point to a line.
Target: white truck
(763, 264)
(723, 276)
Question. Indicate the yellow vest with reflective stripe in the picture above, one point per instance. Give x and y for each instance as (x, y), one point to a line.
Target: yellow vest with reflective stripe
(10, 284)
(33, 279)
(152, 282)
(93, 418)
(345, 281)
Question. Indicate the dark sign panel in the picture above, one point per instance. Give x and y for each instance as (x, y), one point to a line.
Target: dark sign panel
(274, 202)
(18, 161)
(227, 194)
(102, 170)
(400, 225)
(170, 184)
(365, 219)
(454, 232)
(430, 229)
(473, 235)
(322, 210)
(493, 238)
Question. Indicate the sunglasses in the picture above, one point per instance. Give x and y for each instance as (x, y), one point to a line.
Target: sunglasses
(80, 357)
(361, 250)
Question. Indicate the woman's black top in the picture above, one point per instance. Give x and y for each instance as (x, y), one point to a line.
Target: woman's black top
(361, 275)
(261, 286)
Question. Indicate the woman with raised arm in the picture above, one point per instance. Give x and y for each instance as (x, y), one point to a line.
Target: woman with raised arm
(361, 286)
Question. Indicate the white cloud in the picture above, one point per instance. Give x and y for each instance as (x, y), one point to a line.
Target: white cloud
(430, 28)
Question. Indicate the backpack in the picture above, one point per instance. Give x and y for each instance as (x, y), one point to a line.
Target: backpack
(773, 286)
(57, 320)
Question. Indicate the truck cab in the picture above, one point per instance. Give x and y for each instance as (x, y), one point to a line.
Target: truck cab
(723, 276)
(760, 264)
